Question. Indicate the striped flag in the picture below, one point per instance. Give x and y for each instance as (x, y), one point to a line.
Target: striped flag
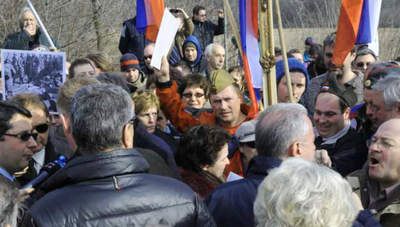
(368, 29)
(148, 17)
(358, 24)
(248, 17)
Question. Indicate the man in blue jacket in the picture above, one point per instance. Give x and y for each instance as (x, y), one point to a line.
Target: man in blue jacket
(283, 130)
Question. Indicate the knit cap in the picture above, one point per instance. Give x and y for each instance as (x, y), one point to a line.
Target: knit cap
(294, 65)
(129, 61)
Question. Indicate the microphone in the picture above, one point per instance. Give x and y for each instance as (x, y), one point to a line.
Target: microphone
(47, 170)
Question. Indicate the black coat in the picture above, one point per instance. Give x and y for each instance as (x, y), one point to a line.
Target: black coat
(22, 41)
(205, 31)
(113, 189)
(348, 154)
(132, 40)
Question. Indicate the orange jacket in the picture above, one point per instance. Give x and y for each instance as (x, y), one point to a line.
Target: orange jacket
(174, 110)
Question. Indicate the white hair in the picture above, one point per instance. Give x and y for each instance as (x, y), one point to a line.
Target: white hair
(304, 194)
(210, 47)
(390, 87)
(21, 16)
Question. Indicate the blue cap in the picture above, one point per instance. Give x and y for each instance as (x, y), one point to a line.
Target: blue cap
(294, 65)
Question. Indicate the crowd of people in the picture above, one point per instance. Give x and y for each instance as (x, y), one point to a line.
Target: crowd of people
(181, 146)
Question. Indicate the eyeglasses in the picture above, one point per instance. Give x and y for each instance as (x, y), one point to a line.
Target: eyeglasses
(148, 56)
(251, 144)
(23, 136)
(42, 128)
(362, 64)
(189, 95)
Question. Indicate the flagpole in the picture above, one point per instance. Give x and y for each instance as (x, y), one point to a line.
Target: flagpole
(283, 47)
(225, 37)
(232, 21)
(267, 54)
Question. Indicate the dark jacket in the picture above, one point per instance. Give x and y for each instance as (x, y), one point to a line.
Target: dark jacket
(22, 41)
(231, 204)
(348, 154)
(385, 207)
(113, 189)
(158, 166)
(132, 40)
(205, 31)
(169, 139)
(144, 139)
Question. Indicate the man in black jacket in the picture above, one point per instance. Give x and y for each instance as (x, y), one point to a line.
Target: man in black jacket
(29, 37)
(345, 146)
(106, 184)
(204, 29)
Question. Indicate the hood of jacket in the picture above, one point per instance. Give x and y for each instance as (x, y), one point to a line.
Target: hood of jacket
(195, 41)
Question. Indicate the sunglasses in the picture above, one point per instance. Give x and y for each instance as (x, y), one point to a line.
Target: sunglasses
(23, 136)
(251, 144)
(42, 128)
(189, 95)
(148, 56)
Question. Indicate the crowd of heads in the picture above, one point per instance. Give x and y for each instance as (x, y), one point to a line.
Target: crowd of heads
(100, 110)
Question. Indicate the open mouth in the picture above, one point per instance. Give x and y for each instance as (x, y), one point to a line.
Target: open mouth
(373, 161)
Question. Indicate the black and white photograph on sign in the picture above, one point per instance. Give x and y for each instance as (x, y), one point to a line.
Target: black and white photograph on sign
(34, 72)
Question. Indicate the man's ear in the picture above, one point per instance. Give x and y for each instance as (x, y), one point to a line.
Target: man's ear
(397, 110)
(127, 136)
(294, 149)
(66, 124)
(346, 113)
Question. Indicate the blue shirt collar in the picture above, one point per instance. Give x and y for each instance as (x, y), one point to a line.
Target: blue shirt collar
(6, 174)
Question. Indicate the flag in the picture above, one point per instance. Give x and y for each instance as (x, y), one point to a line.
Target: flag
(368, 29)
(357, 24)
(248, 18)
(148, 17)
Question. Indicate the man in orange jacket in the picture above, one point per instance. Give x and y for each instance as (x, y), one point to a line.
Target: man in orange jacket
(228, 110)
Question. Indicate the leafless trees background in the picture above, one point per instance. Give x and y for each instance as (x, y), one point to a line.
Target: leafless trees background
(83, 26)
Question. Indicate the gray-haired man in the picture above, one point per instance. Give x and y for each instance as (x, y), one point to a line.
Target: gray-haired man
(107, 184)
(283, 130)
(385, 100)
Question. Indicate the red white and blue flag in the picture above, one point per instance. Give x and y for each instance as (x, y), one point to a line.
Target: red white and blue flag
(148, 17)
(358, 24)
(248, 17)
